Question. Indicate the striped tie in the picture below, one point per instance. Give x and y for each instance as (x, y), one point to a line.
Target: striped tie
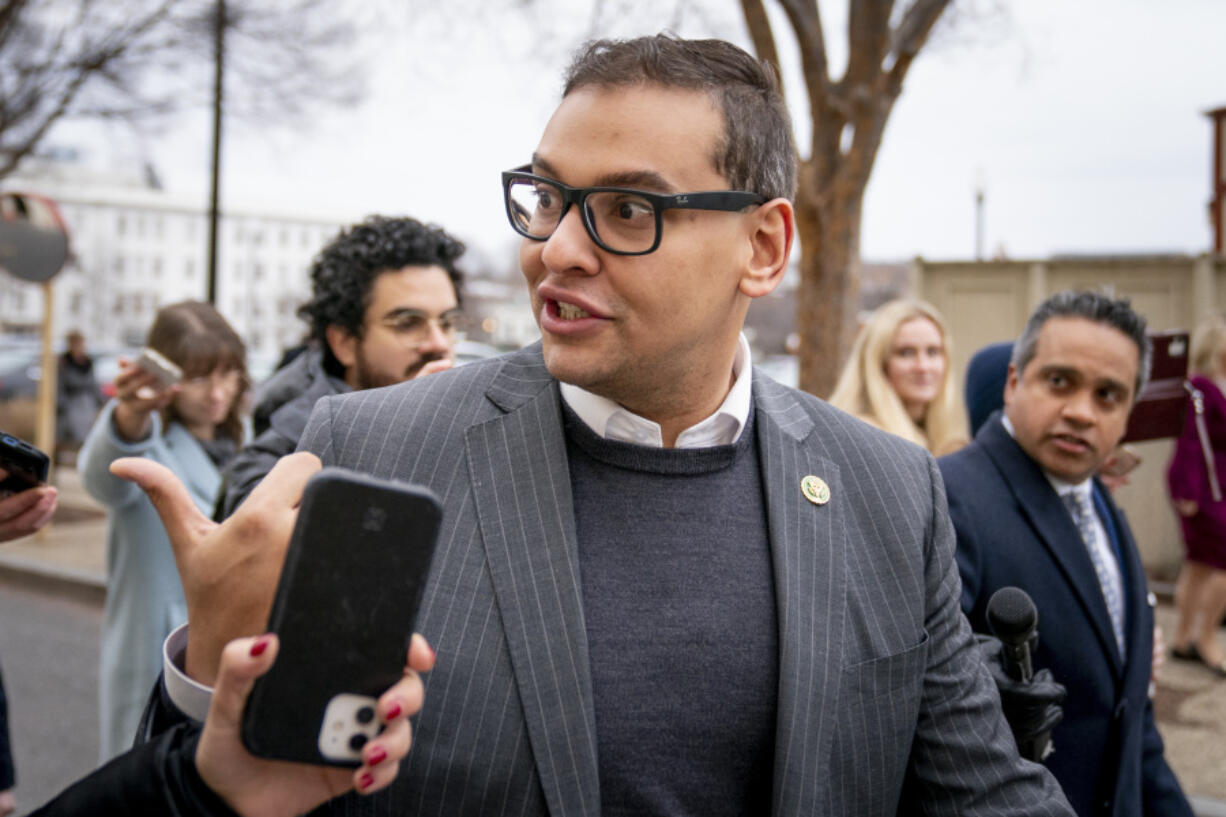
(1081, 507)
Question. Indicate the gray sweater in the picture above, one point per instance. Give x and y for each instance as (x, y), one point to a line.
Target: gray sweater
(679, 605)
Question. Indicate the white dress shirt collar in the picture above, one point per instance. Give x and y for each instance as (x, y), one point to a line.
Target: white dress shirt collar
(611, 421)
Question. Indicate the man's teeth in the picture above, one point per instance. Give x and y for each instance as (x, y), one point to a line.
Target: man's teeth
(570, 312)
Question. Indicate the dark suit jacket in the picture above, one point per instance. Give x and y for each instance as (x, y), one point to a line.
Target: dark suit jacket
(1013, 529)
(883, 703)
(880, 689)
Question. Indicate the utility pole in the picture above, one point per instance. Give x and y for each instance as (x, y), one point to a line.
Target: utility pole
(979, 185)
(219, 50)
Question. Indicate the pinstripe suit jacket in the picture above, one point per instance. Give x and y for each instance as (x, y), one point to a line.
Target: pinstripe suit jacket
(883, 704)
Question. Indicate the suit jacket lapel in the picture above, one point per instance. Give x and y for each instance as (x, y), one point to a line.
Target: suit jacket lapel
(807, 547)
(1058, 533)
(521, 481)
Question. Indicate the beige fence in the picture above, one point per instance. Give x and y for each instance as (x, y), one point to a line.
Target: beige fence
(986, 302)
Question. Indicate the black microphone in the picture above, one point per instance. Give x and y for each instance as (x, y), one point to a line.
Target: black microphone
(1013, 619)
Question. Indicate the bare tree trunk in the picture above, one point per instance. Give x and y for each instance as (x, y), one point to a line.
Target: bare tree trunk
(849, 117)
(829, 293)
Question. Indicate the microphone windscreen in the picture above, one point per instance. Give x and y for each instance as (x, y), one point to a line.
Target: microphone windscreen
(1012, 615)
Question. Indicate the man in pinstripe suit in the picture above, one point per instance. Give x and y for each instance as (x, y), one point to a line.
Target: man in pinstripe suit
(665, 584)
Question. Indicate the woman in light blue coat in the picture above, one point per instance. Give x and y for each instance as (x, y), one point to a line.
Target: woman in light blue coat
(193, 427)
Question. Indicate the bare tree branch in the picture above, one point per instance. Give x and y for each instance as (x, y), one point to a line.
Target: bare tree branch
(760, 31)
(910, 37)
(144, 59)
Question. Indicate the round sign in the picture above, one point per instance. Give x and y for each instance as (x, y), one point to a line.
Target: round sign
(33, 238)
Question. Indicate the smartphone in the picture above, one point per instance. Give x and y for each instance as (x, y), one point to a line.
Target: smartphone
(25, 466)
(156, 364)
(344, 612)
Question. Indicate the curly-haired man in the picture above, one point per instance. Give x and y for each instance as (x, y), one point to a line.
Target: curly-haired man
(385, 299)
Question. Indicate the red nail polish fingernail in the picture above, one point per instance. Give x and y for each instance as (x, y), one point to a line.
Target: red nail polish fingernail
(366, 780)
(259, 646)
(377, 756)
(393, 712)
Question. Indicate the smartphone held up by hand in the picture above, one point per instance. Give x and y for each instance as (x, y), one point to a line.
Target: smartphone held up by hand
(344, 612)
(24, 465)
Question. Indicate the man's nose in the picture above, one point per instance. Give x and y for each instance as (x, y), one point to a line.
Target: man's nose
(437, 338)
(570, 248)
(1079, 408)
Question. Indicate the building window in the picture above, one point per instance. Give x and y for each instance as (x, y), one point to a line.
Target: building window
(121, 224)
(155, 267)
(118, 267)
(189, 269)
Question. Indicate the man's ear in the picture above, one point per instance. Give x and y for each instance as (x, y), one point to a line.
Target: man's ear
(1011, 380)
(771, 234)
(343, 345)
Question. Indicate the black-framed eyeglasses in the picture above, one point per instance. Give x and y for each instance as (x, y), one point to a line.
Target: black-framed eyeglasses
(620, 220)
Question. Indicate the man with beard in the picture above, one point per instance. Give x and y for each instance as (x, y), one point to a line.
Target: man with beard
(384, 305)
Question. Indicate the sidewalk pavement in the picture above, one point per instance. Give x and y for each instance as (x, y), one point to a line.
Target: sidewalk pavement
(1189, 702)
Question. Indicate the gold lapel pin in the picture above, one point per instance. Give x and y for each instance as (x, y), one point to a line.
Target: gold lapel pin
(815, 490)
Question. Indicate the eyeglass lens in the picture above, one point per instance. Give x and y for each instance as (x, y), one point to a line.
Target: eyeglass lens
(620, 220)
(416, 327)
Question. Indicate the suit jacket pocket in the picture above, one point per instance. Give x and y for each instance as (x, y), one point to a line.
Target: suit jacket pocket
(879, 707)
(876, 677)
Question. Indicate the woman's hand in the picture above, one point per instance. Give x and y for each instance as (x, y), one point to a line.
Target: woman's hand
(1185, 507)
(139, 394)
(257, 787)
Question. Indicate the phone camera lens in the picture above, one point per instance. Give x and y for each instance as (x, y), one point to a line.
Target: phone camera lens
(365, 715)
(356, 742)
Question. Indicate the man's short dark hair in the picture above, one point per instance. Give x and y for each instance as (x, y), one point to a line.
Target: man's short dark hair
(756, 152)
(1094, 306)
(344, 272)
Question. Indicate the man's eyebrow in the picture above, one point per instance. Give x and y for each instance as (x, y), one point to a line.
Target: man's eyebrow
(1070, 372)
(647, 180)
(413, 312)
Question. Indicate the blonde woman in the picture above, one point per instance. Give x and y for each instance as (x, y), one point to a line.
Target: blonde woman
(898, 378)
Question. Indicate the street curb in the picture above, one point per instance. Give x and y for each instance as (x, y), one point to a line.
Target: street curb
(33, 574)
(1207, 807)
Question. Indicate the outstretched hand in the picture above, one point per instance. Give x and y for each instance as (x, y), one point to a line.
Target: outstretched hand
(229, 571)
(255, 787)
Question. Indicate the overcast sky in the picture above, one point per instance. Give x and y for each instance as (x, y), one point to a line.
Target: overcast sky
(1084, 119)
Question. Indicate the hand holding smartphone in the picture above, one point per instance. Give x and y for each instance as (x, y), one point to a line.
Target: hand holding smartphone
(344, 612)
(24, 465)
(163, 370)
(1121, 462)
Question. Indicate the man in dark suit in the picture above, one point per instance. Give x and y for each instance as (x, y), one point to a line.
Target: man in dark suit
(664, 583)
(1029, 513)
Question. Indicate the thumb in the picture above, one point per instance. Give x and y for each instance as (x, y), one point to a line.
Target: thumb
(183, 520)
(242, 661)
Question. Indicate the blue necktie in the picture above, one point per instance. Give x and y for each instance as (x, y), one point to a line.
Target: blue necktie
(1081, 507)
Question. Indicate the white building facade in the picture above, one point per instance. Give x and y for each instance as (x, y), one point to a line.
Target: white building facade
(135, 248)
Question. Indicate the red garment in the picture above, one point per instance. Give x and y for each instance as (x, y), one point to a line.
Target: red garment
(1204, 533)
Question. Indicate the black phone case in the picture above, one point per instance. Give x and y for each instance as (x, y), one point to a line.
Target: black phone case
(26, 465)
(345, 606)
